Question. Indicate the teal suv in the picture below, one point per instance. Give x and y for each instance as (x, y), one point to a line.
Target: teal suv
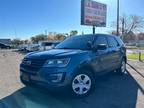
(75, 63)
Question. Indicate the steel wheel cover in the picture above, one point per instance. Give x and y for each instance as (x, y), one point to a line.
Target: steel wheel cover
(81, 84)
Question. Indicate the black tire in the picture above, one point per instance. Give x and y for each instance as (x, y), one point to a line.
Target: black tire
(122, 69)
(91, 81)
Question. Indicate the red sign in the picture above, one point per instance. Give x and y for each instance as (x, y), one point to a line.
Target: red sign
(93, 13)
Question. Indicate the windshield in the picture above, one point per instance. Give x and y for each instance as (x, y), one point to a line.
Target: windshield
(76, 42)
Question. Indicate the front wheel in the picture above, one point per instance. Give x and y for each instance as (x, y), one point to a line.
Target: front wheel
(122, 68)
(82, 84)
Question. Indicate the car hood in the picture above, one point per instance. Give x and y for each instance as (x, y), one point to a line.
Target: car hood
(54, 53)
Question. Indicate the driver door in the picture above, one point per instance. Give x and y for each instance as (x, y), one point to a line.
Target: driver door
(102, 57)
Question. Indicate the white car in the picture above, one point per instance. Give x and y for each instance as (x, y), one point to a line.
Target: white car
(47, 45)
(22, 47)
(33, 47)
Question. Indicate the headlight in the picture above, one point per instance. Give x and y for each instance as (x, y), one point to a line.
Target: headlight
(57, 62)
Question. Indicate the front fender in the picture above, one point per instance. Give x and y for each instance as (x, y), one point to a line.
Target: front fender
(85, 65)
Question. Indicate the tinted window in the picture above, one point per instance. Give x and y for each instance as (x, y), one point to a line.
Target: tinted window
(76, 42)
(112, 42)
(119, 41)
(101, 40)
(48, 44)
(2, 45)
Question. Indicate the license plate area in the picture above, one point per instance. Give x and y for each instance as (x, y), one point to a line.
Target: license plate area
(36, 78)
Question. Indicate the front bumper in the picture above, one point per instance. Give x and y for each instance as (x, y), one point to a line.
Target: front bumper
(42, 85)
(41, 79)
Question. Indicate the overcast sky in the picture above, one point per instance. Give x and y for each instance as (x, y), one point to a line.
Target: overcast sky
(26, 18)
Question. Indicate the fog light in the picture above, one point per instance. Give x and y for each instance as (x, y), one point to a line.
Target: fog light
(55, 78)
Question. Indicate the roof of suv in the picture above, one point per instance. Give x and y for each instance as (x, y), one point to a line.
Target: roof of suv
(108, 35)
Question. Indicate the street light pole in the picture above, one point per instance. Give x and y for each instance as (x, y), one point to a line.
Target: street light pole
(117, 17)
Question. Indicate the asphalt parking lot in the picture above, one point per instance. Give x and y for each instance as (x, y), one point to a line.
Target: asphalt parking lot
(112, 90)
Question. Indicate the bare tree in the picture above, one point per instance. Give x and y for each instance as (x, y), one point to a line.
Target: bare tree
(131, 23)
(60, 37)
(73, 32)
(53, 36)
(17, 42)
(39, 37)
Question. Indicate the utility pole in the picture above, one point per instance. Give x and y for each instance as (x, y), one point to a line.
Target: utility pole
(123, 28)
(93, 29)
(117, 17)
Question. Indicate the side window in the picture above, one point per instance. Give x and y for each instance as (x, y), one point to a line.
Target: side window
(120, 41)
(112, 42)
(101, 40)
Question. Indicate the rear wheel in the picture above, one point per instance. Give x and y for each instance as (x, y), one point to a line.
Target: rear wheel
(82, 84)
(122, 68)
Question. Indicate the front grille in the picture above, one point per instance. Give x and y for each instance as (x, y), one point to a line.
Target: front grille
(32, 65)
(34, 62)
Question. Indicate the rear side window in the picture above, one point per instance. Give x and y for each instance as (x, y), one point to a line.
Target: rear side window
(112, 42)
(119, 41)
(101, 40)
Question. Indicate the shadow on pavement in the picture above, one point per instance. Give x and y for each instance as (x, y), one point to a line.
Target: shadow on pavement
(136, 70)
(112, 91)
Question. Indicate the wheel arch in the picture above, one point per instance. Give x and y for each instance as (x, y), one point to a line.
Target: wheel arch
(86, 67)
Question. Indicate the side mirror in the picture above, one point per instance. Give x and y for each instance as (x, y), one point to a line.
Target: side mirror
(101, 47)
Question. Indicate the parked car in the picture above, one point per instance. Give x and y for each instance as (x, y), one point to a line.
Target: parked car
(75, 63)
(47, 45)
(32, 47)
(55, 44)
(22, 47)
(4, 46)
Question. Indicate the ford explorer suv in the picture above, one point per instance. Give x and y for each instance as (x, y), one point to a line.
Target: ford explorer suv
(74, 64)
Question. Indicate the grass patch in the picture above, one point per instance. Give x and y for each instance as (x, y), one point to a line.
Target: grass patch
(134, 47)
(141, 48)
(135, 56)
